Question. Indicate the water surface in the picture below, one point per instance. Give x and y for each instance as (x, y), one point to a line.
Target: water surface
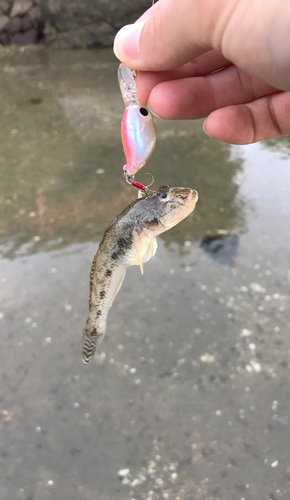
(190, 389)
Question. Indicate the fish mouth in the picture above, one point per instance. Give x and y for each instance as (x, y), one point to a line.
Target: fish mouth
(189, 195)
(192, 199)
(180, 208)
(191, 202)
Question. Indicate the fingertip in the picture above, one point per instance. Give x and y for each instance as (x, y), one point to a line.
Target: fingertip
(205, 129)
(151, 110)
(214, 126)
(166, 102)
(126, 43)
(230, 124)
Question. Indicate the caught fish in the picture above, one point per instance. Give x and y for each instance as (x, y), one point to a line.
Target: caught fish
(128, 241)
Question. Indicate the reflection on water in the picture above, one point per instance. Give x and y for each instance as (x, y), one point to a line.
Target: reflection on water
(281, 144)
(61, 157)
(221, 246)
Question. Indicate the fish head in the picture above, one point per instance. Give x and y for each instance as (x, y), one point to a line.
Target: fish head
(175, 204)
(169, 206)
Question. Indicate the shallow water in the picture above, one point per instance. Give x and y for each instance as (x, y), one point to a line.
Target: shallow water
(190, 389)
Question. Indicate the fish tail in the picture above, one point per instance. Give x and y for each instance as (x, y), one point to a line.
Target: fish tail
(90, 339)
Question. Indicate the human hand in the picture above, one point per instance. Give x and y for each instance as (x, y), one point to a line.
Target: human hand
(227, 60)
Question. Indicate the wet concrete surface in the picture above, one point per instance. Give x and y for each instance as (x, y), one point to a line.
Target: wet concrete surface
(188, 397)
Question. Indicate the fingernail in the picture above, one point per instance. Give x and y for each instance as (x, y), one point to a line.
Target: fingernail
(126, 43)
(152, 112)
(203, 126)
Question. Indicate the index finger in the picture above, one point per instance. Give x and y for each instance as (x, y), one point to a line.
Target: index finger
(205, 64)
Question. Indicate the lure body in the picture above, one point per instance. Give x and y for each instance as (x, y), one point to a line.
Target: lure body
(137, 129)
(129, 240)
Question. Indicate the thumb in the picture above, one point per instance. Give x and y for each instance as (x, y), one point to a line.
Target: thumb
(169, 34)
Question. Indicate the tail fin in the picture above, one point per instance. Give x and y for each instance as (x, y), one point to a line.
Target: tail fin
(90, 339)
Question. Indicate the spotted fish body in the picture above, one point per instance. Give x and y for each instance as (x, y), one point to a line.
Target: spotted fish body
(129, 240)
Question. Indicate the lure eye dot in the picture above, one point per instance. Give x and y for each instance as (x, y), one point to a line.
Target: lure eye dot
(144, 112)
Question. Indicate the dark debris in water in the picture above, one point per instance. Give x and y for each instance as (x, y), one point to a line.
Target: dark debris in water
(221, 246)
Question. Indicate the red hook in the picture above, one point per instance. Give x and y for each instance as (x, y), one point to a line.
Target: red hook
(130, 179)
(138, 185)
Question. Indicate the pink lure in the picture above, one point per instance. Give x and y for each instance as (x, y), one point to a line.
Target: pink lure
(138, 129)
(138, 137)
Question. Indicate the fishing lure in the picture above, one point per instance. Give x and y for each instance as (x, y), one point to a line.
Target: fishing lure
(137, 130)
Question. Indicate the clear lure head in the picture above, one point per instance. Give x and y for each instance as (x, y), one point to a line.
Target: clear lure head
(138, 129)
(127, 84)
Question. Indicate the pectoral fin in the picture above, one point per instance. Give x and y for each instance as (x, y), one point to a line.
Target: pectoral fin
(151, 250)
(139, 259)
(117, 285)
(145, 250)
(141, 246)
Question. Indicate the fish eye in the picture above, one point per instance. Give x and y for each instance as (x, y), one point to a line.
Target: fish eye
(163, 195)
(143, 111)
